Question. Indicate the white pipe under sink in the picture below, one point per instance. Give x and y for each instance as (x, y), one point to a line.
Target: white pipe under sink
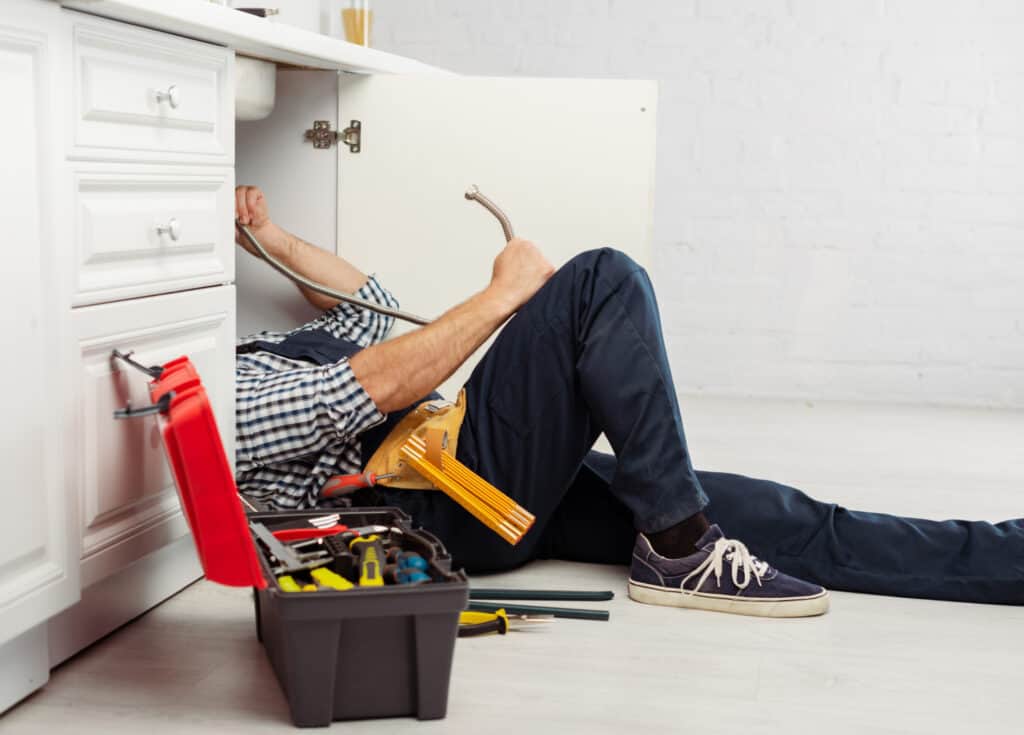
(255, 82)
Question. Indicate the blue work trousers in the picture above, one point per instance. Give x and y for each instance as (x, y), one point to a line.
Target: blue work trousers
(584, 356)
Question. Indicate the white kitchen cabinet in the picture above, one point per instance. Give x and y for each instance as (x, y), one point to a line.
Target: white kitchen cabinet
(130, 507)
(140, 95)
(571, 162)
(38, 526)
(143, 229)
(103, 157)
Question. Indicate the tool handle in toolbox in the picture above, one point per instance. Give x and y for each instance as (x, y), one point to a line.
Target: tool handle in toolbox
(371, 560)
(302, 534)
(329, 579)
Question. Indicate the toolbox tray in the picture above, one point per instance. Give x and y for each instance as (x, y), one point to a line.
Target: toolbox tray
(364, 652)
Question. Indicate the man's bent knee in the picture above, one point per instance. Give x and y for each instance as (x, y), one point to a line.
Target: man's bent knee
(609, 263)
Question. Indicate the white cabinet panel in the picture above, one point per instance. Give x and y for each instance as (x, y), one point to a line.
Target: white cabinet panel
(301, 184)
(129, 502)
(571, 161)
(38, 557)
(145, 96)
(141, 231)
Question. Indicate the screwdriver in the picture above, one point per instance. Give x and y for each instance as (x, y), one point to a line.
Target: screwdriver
(344, 484)
(371, 560)
(472, 623)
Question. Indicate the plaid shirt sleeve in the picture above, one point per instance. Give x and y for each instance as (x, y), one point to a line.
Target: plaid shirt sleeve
(344, 321)
(298, 412)
(356, 324)
(287, 410)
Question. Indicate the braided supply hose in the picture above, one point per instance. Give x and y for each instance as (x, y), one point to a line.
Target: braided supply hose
(325, 290)
(472, 194)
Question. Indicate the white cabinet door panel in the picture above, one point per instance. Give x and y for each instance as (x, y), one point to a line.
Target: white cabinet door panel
(145, 96)
(142, 231)
(300, 183)
(129, 502)
(570, 161)
(38, 558)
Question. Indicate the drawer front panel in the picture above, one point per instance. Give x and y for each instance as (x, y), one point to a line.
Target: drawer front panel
(140, 233)
(146, 96)
(129, 502)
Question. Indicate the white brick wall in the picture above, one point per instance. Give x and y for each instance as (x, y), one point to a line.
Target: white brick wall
(840, 206)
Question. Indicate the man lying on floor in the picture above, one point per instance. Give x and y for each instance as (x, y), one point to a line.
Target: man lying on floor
(582, 355)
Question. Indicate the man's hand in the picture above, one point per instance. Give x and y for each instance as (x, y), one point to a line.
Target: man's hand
(251, 210)
(401, 371)
(519, 271)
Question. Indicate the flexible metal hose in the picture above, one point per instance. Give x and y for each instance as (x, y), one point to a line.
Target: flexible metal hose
(473, 194)
(326, 291)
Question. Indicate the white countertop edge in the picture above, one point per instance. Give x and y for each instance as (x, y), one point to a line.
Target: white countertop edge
(252, 36)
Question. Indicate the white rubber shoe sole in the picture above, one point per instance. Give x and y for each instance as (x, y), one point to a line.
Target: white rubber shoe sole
(785, 607)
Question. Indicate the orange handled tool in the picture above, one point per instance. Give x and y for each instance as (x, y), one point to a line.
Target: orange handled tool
(344, 484)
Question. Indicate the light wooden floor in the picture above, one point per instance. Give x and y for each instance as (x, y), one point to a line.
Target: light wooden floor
(872, 665)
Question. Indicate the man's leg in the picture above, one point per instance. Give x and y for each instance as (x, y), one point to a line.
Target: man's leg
(966, 561)
(969, 561)
(584, 355)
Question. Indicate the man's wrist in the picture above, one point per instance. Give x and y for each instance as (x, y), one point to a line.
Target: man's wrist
(274, 240)
(496, 304)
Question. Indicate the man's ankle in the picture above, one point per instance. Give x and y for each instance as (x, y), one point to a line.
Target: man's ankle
(680, 539)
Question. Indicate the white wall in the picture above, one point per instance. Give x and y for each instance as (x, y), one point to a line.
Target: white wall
(840, 207)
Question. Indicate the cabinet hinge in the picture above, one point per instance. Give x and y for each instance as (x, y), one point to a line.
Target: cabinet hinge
(323, 137)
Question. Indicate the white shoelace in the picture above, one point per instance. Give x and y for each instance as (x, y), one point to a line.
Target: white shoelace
(743, 563)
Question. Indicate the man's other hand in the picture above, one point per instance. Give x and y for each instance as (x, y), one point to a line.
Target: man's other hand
(519, 271)
(251, 210)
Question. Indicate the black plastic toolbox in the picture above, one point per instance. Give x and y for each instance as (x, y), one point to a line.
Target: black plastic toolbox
(363, 652)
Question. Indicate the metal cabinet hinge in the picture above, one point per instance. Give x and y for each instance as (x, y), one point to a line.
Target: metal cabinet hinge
(323, 137)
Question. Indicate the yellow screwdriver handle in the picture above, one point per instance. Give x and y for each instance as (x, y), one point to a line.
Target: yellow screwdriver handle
(371, 561)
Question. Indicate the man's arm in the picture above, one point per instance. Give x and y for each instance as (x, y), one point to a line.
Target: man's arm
(402, 371)
(319, 265)
(397, 373)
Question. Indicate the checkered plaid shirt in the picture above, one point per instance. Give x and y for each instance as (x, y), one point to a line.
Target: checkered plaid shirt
(296, 424)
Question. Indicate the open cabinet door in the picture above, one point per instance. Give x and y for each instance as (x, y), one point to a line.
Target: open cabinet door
(570, 161)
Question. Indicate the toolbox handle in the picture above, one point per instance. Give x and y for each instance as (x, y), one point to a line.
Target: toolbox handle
(153, 371)
(161, 406)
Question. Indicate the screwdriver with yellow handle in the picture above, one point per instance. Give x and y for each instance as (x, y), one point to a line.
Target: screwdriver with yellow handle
(472, 623)
(370, 552)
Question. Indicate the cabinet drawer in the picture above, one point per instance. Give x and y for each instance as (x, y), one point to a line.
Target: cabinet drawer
(128, 499)
(146, 96)
(139, 233)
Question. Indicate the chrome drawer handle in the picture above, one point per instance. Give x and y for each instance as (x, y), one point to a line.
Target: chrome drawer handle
(172, 228)
(172, 96)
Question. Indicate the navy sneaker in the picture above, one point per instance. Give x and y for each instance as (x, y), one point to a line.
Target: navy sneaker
(722, 576)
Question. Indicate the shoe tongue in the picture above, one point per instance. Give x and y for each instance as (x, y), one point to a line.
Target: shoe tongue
(710, 536)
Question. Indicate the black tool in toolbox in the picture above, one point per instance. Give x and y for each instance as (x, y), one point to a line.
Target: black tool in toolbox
(404, 633)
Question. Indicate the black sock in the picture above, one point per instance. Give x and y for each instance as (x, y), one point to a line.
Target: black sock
(680, 539)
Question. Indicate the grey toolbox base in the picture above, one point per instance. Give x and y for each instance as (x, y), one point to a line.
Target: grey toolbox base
(365, 652)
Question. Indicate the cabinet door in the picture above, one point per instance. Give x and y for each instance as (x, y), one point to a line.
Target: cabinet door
(38, 553)
(134, 539)
(129, 503)
(571, 162)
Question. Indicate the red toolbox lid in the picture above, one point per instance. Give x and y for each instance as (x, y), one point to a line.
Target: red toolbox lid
(206, 485)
